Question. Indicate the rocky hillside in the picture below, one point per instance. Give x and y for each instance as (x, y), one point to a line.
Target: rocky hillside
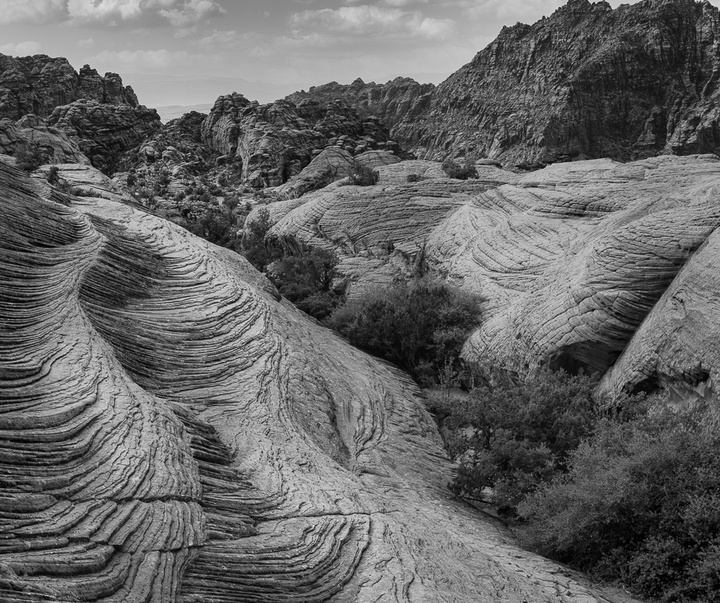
(588, 81)
(37, 84)
(400, 100)
(46, 105)
(579, 263)
(172, 431)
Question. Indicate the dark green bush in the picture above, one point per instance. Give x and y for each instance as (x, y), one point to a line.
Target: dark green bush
(516, 437)
(419, 326)
(253, 244)
(361, 175)
(459, 171)
(413, 177)
(306, 279)
(640, 505)
(53, 175)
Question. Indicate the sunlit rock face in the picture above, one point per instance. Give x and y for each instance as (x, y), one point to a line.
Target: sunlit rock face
(170, 431)
(571, 259)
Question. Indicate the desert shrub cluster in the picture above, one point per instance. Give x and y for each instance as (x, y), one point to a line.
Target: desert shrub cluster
(629, 494)
(361, 175)
(459, 170)
(419, 326)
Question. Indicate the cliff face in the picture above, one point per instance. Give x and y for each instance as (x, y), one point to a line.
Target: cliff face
(400, 100)
(37, 84)
(172, 432)
(587, 81)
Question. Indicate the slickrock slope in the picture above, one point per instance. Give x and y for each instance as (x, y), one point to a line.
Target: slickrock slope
(169, 431)
(37, 84)
(586, 82)
(571, 258)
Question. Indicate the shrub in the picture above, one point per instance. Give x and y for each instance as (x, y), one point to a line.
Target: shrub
(361, 175)
(459, 171)
(640, 505)
(53, 175)
(253, 245)
(413, 177)
(517, 437)
(306, 280)
(419, 326)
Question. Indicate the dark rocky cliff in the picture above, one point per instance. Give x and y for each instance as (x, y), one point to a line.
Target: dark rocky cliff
(588, 81)
(37, 84)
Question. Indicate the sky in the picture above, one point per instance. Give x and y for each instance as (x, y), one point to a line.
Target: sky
(186, 52)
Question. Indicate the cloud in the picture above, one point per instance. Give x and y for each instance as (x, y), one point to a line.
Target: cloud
(179, 13)
(23, 49)
(30, 11)
(140, 60)
(372, 21)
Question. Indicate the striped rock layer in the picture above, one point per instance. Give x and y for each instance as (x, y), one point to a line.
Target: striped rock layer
(572, 259)
(170, 431)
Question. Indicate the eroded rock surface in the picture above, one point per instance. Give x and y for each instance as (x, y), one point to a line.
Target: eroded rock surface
(587, 81)
(275, 142)
(571, 259)
(37, 84)
(169, 431)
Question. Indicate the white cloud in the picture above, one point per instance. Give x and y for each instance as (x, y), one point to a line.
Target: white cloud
(373, 20)
(139, 60)
(23, 49)
(30, 11)
(179, 13)
(192, 11)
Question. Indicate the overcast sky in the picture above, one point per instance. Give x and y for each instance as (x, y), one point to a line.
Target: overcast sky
(189, 51)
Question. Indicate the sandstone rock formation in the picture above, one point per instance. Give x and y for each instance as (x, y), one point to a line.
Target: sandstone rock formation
(103, 131)
(571, 259)
(32, 132)
(275, 142)
(169, 431)
(397, 101)
(588, 81)
(38, 84)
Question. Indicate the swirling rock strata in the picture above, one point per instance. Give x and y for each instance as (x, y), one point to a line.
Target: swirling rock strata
(169, 431)
(571, 259)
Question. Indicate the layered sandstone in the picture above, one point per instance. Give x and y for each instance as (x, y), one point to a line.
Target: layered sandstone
(571, 259)
(170, 431)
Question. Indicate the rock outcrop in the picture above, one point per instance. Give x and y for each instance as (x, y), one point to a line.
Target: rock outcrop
(170, 432)
(104, 131)
(571, 259)
(588, 81)
(275, 142)
(37, 84)
(395, 102)
(32, 132)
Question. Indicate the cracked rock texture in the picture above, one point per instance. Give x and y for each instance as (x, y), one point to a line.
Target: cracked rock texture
(274, 142)
(37, 84)
(571, 259)
(170, 432)
(585, 82)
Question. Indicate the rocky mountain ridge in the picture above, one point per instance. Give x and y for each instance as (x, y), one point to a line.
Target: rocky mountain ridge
(586, 82)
